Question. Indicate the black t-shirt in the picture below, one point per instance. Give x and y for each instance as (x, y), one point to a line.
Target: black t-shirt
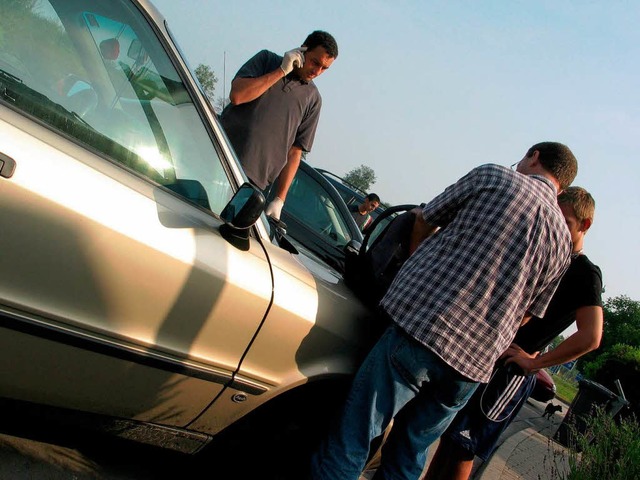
(581, 286)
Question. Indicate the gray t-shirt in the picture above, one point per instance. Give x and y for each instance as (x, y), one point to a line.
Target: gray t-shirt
(262, 131)
(362, 221)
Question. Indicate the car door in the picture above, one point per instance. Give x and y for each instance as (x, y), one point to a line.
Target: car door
(317, 218)
(118, 294)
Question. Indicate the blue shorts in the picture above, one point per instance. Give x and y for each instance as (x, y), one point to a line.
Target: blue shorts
(477, 427)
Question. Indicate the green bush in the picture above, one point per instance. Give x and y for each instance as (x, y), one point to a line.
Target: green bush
(610, 450)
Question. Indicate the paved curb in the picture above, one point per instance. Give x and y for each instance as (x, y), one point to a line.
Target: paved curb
(494, 468)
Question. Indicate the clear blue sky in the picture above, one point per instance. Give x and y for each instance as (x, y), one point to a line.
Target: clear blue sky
(423, 91)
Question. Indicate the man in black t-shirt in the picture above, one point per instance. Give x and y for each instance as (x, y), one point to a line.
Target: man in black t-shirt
(477, 427)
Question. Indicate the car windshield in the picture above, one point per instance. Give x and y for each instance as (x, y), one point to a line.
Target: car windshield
(95, 71)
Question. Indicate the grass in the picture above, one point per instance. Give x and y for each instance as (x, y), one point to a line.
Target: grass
(565, 389)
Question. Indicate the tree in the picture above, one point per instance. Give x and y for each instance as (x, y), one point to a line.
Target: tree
(220, 104)
(618, 356)
(362, 177)
(621, 326)
(207, 79)
(621, 322)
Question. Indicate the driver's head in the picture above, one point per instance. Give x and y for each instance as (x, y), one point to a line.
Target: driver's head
(371, 202)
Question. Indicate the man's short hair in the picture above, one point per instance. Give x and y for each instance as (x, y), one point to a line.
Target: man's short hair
(324, 40)
(581, 201)
(558, 160)
(372, 197)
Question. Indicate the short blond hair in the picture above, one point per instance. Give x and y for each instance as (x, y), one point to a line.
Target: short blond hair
(581, 201)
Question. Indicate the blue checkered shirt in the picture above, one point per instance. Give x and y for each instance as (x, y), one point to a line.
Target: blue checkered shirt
(501, 250)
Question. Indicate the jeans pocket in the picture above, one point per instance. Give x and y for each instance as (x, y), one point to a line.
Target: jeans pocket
(409, 359)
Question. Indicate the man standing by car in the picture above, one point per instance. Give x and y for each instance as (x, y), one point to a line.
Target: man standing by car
(454, 307)
(361, 213)
(274, 112)
(478, 426)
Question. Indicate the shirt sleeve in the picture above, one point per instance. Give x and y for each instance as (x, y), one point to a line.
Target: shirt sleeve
(540, 304)
(307, 130)
(590, 288)
(442, 209)
(260, 64)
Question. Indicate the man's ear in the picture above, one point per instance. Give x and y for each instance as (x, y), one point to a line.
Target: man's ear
(534, 159)
(586, 223)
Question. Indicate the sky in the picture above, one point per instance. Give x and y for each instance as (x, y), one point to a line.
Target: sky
(424, 91)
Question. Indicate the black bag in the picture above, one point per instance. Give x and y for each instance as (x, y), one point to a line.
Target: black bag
(370, 271)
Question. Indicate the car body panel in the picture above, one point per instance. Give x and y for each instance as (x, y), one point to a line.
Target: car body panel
(90, 277)
(545, 388)
(119, 293)
(285, 354)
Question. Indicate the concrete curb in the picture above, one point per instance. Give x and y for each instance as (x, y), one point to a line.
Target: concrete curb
(527, 454)
(496, 465)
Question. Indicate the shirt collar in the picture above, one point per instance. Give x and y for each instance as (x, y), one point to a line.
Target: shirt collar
(292, 77)
(548, 182)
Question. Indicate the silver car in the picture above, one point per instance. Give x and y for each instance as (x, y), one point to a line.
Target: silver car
(138, 282)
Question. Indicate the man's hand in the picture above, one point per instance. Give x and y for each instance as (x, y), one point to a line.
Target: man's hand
(421, 230)
(293, 59)
(274, 208)
(515, 354)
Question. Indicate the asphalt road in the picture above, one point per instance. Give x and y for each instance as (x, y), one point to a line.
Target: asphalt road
(29, 452)
(33, 452)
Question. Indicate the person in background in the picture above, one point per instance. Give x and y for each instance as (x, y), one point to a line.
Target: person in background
(478, 426)
(360, 213)
(274, 111)
(486, 255)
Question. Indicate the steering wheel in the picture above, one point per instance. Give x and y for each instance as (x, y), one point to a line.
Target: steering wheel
(378, 220)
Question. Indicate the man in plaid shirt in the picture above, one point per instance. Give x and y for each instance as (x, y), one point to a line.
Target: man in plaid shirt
(488, 253)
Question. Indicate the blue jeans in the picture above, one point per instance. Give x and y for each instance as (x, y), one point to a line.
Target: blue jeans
(398, 374)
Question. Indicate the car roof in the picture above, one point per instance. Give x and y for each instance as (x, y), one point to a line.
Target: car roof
(335, 178)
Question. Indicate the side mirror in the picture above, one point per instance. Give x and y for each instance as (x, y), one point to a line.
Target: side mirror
(244, 208)
(242, 211)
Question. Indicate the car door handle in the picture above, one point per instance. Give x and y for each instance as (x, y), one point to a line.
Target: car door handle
(7, 166)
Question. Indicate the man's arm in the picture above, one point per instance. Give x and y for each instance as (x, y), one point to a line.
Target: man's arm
(274, 209)
(421, 230)
(288, 172)
(247, 89)
(244, 90)
(526, 318)
(589, 322)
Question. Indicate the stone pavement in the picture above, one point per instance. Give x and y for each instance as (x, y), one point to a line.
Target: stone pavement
(528, 454)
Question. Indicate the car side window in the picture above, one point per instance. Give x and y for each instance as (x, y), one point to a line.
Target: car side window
(95, 71)
(312, 205)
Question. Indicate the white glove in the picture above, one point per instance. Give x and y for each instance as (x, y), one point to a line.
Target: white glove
(274, 208)
(293, 59)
